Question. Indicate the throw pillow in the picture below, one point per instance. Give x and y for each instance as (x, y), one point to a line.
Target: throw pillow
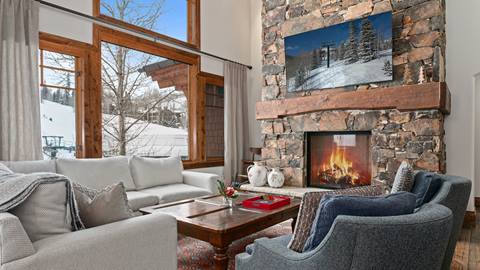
(98, 207)
(403, 179)
(45, 212)
(151, 172)
(426, 185)
(308, 209)
(331, 206)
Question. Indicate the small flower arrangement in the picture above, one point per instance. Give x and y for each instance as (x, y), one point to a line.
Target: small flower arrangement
(226, 192)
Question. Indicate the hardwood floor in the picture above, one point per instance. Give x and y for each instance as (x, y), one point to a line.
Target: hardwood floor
(467, 252)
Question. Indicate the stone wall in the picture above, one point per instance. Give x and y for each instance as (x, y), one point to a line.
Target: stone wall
(396, 136)
(419, 40)
(418, 35)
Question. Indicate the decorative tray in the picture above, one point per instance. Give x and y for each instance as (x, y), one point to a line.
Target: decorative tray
(266, 202)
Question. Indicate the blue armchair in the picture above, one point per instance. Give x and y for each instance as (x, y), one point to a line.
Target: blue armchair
(423, 240)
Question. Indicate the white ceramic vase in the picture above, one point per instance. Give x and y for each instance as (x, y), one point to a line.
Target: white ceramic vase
(257, 174)
(276, 178)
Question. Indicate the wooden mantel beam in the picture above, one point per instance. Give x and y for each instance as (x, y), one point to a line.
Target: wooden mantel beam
(434, 95)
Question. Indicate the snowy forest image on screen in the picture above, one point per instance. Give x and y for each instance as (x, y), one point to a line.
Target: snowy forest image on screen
(351, 53)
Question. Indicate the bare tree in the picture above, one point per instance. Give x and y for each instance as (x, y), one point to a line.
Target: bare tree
(122, 82)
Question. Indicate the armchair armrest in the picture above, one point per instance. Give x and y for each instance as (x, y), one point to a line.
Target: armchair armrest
(206, 181)
(14, 241)
(141, 243)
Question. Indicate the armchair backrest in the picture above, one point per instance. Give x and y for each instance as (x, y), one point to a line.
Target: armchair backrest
(416, 241)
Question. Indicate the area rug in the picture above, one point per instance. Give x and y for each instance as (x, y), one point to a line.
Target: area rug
(195, 254)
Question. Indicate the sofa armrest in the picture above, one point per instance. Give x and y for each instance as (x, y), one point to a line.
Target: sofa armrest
(141, 243)
(14, 241)
(206, 181)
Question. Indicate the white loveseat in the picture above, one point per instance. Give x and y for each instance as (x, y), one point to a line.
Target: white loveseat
(146, 184)
(141, 243)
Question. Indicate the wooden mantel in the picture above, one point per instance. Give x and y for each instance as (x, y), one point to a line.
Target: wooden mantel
(427, 96)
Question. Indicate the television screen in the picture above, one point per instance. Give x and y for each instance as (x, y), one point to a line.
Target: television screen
(351, 53)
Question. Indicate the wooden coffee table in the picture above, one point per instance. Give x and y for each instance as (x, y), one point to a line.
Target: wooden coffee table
(206, 219)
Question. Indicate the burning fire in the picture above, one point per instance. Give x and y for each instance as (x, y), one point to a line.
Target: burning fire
(339, 169)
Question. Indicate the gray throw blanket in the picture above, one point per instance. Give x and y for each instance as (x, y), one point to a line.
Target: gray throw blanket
(16, 188)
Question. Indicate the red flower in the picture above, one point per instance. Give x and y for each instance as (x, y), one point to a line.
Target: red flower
(229, 191)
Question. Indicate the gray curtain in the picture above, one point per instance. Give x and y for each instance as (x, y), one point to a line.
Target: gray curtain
(20, 132)
(236, 125)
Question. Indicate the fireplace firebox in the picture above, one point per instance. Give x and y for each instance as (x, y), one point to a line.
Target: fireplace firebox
(338, 159)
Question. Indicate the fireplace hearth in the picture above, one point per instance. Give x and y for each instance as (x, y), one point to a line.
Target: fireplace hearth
(338, 159)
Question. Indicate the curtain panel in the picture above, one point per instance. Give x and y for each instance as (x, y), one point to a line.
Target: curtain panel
(236, 125)
(20, 131)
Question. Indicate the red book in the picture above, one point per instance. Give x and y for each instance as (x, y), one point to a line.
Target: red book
(272, 202)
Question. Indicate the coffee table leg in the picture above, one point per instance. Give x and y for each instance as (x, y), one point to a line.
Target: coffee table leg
(294, 223)
(221, 258)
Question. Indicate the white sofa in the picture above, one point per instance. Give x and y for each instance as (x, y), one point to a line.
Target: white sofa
(140, 243)
(168, 182)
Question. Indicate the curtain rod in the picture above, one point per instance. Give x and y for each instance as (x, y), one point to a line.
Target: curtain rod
(127, 30)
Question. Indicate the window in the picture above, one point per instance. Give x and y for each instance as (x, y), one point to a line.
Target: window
(214, 119)
(213, 94)
(177, 19)
(58, 87)
(144, 104)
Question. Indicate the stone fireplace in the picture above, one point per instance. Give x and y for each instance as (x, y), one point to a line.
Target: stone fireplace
(404, 119)
(338, 159)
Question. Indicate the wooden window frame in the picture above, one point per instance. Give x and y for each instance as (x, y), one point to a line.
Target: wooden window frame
(80, 51)
(195, 132)
(205, 78)
(193, 24)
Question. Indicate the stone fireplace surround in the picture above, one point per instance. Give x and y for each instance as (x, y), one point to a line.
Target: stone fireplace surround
(396, 136)
(415, 134)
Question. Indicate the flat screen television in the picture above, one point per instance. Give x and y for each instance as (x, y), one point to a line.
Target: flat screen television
(351, 53)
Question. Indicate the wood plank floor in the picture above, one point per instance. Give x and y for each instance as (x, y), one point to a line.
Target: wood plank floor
(467, 252)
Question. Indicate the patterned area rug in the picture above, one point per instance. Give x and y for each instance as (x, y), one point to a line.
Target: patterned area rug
(195, 254)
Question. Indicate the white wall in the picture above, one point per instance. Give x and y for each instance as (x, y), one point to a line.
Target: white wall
(463, 40)
(225, 32)
(61, 24)
(255, 75)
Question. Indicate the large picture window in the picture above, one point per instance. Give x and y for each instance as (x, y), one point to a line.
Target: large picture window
(144, 104)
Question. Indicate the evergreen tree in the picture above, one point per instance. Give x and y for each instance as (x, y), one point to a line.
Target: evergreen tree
(387, 67)
(368, 41)
(351, 49)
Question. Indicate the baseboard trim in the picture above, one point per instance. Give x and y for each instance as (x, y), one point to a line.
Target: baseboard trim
(477, 201)
(469, 219)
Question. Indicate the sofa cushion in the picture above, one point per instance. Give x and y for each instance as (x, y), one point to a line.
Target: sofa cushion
(99, 207)
(32, 166)
(45, 212)
(331, 206)
(403, 179)
(137, 200)
(310, 204)
(426, 186)
(97, 173)
(175, 192)
(151, 172)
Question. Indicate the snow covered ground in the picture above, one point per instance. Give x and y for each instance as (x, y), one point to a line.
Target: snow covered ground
(155, 140)
(342, 74)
